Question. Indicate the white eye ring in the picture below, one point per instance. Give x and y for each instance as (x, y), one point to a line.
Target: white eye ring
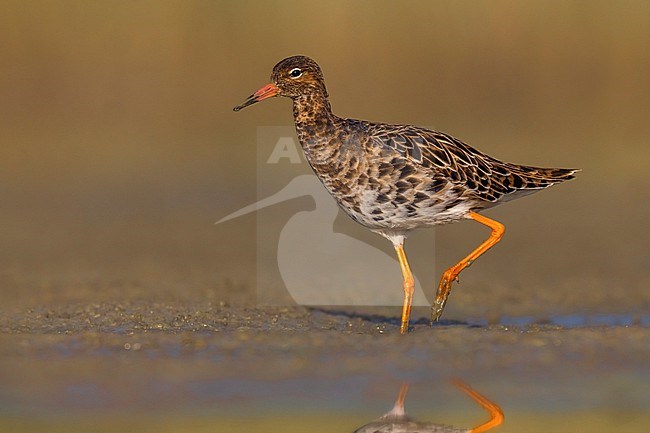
(295, 73)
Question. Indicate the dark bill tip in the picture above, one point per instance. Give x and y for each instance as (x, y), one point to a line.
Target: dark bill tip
(265, 92)
(249, 101)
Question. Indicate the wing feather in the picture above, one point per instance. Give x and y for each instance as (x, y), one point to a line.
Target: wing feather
(446, 156)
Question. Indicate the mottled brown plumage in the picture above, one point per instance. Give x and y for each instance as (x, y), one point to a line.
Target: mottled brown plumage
(395, 178)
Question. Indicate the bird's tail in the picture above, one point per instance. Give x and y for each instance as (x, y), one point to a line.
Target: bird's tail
(540, 177)
(512, 180)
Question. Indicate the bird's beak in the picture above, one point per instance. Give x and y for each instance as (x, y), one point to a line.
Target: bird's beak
(265, 92)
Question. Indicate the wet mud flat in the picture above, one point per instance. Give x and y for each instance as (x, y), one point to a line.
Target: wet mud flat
(200, 367)
(146, 331)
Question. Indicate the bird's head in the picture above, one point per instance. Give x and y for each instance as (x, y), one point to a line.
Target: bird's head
(292, 77)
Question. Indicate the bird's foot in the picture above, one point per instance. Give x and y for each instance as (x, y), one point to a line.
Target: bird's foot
(437, 307)
(443, 293)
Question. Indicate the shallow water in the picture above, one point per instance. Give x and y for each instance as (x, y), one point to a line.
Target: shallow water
(613, 402)
(566, 373)
(569, 321)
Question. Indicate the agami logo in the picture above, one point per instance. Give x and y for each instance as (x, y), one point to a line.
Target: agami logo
(319, 266)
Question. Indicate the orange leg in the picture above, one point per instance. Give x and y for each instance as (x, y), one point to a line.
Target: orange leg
(451, 274)
(496, 415)
(398, 409)
(401, 397)
(409, 287)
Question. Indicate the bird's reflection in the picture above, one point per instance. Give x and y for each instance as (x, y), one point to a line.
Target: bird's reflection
(397, 421)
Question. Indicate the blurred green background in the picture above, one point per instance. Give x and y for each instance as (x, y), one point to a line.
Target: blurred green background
(119, 147)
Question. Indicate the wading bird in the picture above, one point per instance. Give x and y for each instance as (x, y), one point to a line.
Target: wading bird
(396, 178)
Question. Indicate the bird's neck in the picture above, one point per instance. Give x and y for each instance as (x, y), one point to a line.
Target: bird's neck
(325, 140)
(315, 124)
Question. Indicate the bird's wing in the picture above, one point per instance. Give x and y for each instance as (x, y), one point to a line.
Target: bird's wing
(461, 164)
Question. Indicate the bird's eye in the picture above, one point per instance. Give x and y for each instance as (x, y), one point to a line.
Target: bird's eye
(295, 73)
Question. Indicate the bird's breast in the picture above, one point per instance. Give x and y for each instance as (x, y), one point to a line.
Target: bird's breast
(379, 198)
